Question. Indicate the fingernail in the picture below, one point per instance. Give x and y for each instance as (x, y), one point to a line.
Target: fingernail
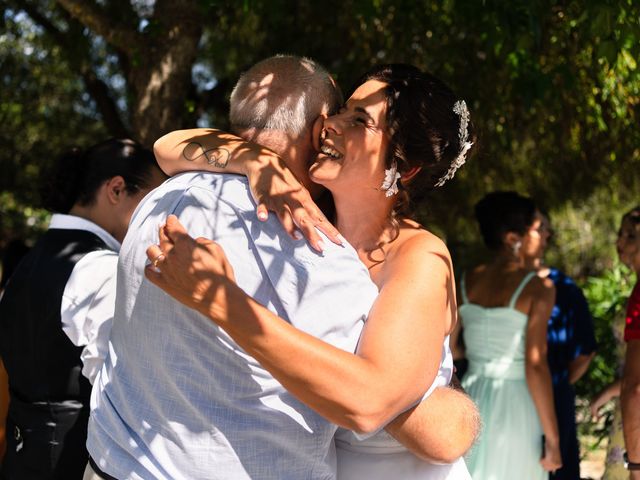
(262, 215)
(298, 235)
(320, 246)
(341, 239)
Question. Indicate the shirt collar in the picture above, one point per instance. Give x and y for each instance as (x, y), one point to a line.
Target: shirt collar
(72, 222)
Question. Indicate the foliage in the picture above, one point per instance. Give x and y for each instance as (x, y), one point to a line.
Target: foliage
(23, 222)
(607, 297)
(43, 107)
(554, 90)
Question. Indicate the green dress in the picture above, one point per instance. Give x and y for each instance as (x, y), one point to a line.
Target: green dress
(510, 443)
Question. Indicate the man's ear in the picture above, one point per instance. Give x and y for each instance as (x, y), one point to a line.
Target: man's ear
(407, 176)
(115, 189)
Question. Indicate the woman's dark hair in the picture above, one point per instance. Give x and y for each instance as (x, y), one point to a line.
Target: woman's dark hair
(423, 128)
(501, 212)
(78, 174)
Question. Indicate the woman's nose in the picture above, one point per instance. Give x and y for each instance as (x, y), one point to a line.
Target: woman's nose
(333, 124)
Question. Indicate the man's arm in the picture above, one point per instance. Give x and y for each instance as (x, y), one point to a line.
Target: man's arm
(441, 428)
(585, 338)
(630, 402)
(579, 366)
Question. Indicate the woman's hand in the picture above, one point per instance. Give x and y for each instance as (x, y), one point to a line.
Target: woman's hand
(194, 271)
(552, 460)
(274, 187)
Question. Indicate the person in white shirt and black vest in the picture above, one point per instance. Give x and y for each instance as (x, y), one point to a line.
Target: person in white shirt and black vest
(56, 311)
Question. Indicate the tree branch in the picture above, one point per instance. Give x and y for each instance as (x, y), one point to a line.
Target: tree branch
(48, 26)
(76, 51)
(94, 17)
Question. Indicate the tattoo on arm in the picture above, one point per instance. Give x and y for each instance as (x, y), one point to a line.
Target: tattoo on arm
(218, 157)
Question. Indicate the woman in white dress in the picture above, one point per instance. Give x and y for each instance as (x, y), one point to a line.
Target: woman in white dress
(401, 127)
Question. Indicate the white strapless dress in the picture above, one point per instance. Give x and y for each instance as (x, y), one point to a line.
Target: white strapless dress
(382, 457)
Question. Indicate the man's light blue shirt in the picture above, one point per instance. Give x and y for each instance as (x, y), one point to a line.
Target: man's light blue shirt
(177, 398)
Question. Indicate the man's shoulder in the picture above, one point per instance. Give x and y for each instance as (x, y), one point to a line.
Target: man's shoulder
(215, 183)
(205, 190)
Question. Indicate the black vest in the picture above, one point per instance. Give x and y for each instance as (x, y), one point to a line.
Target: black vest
(49, 405)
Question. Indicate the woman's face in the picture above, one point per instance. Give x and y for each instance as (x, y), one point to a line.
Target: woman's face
(628, 244)
(535, 240)
(354, 142)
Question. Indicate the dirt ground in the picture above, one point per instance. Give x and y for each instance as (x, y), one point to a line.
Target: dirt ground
(592, 465)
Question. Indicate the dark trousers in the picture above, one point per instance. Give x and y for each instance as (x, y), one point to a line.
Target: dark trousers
(45, 440)
(565, 403)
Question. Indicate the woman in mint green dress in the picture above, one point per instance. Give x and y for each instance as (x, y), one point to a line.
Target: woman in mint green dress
(504, 310)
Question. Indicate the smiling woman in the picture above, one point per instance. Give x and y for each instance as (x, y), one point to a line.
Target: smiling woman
(400, 127)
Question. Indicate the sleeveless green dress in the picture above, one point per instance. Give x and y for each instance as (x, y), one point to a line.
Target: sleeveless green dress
(510, 443)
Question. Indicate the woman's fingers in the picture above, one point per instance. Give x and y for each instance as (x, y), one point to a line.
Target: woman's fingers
(332, 233)
(262, 212)
(308, 217)
(155, 255)
(308, 229)
(154, 276)
(216, 253)
(287, 223)
(274, 188)
(174, 229)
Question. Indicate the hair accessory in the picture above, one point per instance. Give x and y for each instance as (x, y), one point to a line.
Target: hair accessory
(390, 183)
(459, 108)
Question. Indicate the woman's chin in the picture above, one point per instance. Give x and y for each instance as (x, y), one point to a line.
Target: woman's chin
(323, 171)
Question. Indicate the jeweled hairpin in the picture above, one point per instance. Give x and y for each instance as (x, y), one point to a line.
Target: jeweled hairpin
(459, 108)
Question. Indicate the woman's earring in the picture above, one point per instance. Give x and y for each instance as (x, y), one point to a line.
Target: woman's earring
(390, 183)
(516, 248)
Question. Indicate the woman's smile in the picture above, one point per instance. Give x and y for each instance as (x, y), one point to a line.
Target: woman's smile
(354, 140)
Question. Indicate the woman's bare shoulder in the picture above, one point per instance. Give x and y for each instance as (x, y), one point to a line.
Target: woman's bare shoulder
(541, 286)
(420, 252)
(414, 238)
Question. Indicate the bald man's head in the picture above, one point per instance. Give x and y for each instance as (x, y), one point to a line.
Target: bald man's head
(284, 93)
(275, 103)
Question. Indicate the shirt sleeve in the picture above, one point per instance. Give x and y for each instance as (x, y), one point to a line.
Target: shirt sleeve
(88, 305)
(632, 326)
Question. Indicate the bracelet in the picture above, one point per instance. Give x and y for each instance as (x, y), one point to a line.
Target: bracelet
(630, 465)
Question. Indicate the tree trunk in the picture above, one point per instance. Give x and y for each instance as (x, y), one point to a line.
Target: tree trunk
(161, 77)
(156, 63)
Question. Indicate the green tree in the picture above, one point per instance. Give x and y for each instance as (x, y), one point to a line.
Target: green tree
(553, 88)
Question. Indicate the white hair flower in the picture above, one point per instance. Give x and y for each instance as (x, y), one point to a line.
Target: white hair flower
(390, 183)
